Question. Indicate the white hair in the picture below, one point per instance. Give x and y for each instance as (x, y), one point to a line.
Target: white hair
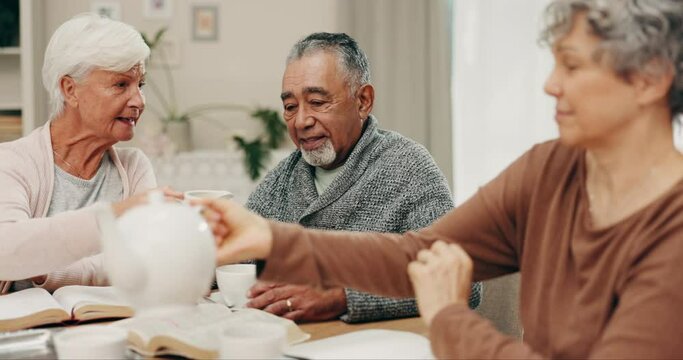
(351, 57)
(87, 42)
(321, 156)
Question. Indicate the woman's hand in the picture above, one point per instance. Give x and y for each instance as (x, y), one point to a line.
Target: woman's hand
(124, 205)
(39, 280)
(240, 234)
(441, 276)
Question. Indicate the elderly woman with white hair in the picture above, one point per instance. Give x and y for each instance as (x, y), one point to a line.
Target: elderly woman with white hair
(53, 180)
(593, 221)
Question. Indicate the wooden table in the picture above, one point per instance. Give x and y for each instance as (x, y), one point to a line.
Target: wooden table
(321, 330)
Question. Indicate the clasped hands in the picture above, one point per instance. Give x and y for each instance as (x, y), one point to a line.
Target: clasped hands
(441, 276)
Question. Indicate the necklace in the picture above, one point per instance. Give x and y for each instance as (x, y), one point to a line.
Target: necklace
(71, 167)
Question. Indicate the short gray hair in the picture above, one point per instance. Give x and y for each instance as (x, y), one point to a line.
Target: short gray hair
(87, 42)
(633, 33)
(351, 57)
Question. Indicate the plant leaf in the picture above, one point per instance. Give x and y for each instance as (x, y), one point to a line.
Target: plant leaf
(274, 125)
(159, 34)
(256, 153)
(146, 40)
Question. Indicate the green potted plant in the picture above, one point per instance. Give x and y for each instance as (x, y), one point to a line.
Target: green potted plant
(175, 122)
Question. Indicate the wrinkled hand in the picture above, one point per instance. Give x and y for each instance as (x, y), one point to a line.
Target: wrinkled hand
(441, 276)
(240, 234)
(305, 303)
(138, 199)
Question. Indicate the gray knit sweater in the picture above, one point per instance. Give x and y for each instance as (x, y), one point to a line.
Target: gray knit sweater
(389, 184)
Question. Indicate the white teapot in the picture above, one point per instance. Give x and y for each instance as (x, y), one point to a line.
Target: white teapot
(160, 256)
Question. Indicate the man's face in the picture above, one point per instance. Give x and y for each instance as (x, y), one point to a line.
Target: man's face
(323, 118)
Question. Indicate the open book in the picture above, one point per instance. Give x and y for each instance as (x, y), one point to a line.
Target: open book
(33, 307)
(195, 334)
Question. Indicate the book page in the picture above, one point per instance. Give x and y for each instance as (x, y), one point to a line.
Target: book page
(294, 333)
(74, 296)
(26, 302)
(197, 329)
(365, 344)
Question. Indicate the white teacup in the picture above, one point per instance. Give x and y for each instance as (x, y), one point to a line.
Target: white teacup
(253, 341)
(91, 342)
(207, 194)
(234, 281)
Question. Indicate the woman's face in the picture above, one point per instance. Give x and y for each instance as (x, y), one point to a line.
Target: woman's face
(593, 102)
(110, 103)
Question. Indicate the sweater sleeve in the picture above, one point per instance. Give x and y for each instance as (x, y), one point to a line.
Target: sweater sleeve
(35, 246)
(89, 271)
(140, 172)
(642, 326)
(362, 306)
(460, 333)
(429, 200)
(486, 226)
(32, 247)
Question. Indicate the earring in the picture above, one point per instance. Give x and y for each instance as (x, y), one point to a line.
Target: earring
(677, 125)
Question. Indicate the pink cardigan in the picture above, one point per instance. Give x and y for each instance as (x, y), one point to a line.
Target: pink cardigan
(30, 243)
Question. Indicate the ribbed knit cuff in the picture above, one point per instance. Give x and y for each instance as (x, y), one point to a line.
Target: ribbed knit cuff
(57, 279)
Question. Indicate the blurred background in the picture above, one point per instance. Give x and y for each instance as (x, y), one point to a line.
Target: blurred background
(462, 77)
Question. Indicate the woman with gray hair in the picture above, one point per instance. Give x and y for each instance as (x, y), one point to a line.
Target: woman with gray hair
(593, 221)
(52, 180)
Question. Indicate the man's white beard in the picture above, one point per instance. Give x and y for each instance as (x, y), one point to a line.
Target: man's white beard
(321, 156)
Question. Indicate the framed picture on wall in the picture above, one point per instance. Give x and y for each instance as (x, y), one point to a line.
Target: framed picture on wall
(110, 9)
(205, 23)
(158, 9)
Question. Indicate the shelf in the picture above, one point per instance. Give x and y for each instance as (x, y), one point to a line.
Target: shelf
(13, 50)
(10, 106)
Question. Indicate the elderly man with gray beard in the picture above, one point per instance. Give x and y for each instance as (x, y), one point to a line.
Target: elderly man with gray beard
(347, 174)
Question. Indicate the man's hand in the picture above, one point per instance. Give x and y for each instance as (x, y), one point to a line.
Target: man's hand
(240, 234)
(298, 303)
(441, 276)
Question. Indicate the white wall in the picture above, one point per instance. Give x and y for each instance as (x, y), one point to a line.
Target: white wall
(243, 67)
(499, 106)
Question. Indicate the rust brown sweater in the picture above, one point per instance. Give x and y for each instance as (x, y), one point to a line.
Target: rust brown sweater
(602, 293)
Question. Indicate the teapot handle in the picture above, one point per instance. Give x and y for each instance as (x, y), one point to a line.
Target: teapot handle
(124, 268)
(155, 197)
